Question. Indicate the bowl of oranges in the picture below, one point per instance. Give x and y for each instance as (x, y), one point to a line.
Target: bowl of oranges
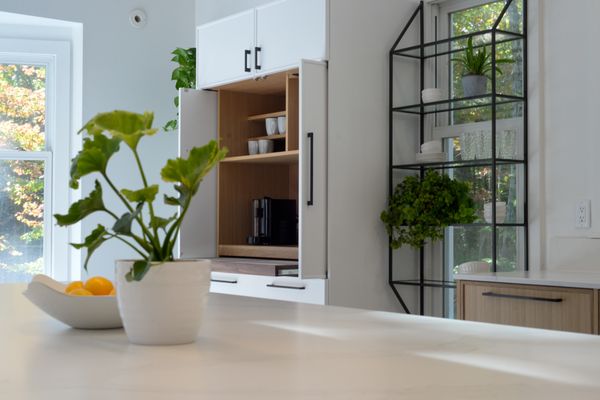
(85, 305)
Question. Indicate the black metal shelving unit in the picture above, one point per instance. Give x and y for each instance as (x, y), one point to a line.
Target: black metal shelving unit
(431, 50)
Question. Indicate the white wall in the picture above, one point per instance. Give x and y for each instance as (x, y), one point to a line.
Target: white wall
(124, 68)
(571, 130)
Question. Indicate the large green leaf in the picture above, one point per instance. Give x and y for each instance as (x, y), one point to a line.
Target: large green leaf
(143, 195)
(94, 157)
(162, 223)
(92, 242)
(124, 125)
(82, 208)
(184, 194)
(190, 172)
(138, 271)
(123, 225)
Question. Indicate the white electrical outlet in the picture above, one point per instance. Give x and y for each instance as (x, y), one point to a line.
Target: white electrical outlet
(583, 215)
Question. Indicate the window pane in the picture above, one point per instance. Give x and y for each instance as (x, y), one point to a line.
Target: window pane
(21, 220)
(22, 107)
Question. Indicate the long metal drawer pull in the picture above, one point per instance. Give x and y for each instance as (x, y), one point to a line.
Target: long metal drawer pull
(517, 297)
(224, 281)
(274, 285)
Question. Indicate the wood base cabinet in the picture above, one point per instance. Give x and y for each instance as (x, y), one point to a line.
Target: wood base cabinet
(557, 308)
(221, 217)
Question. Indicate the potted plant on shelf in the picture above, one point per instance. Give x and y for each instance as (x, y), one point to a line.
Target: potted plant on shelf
(160, 299)
(184, 76)
(477, 66)
(419, 210)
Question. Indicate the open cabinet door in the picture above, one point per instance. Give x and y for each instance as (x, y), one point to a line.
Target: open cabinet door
(197, 126)
(313, 170)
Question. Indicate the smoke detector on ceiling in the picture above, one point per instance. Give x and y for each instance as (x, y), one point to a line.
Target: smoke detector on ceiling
(138, 18)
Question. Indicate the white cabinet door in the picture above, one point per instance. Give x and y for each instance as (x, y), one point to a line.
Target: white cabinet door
(313, 170)
(197, 126)
(224, 50)
(289, 31)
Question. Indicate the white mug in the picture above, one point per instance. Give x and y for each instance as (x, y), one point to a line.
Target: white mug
(271, 125)
(252, 147)
(265, 146)
(281, 124)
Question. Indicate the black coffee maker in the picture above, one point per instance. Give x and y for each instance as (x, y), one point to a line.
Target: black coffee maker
(274, 222)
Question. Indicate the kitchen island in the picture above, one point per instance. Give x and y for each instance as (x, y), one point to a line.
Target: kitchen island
(263, 349)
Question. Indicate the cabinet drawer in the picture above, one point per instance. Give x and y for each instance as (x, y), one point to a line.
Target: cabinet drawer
(269, 287)
(530, 306)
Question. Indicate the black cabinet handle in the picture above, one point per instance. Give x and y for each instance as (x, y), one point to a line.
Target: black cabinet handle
(274, 285)
(517, 297)
(311, 153)
(257, 50)
(246, 54)
(224, 281)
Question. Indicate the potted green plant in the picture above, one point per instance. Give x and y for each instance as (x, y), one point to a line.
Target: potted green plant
(184, 76)
(477, 66)
(160, 298)
(419, 210)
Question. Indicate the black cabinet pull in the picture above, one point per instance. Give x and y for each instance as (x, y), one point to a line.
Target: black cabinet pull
(224, 281)
(310, 136)
(517, 297)
(274, 285)
(246, 54)
(257, 50)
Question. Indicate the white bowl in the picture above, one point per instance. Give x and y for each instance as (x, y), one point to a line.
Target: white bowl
(434, 146)
(432, 95)
(83, 312)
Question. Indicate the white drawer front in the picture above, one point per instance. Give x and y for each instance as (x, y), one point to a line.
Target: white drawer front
(268, 287)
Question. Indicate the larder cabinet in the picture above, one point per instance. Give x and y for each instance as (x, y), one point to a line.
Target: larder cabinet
(221, 217)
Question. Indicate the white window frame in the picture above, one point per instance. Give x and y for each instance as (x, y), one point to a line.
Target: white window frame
(442, 10)
(56, 56)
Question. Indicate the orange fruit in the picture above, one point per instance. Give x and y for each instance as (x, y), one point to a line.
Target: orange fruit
(80, 292)
(99, 286)
(73, 285)
(113, 292)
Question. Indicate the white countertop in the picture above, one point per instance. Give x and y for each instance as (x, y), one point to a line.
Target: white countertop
(573, 279)
(261, 349)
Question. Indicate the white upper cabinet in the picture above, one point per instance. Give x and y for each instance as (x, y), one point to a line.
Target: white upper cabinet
(274, 37)
(288, 31)
(224, 50)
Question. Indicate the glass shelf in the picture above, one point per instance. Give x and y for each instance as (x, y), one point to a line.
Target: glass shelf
(463, 103)
(457, 164)
(457, 44)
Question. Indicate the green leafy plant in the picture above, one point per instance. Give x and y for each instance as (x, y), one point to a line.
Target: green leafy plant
(153, 237)
(184, 76)
(420, 209)
(479, 62)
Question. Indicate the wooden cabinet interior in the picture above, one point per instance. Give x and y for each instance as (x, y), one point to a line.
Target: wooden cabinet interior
(243, 108)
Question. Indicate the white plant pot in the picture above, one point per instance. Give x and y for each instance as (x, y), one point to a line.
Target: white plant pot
(166, 306)
(474, 85)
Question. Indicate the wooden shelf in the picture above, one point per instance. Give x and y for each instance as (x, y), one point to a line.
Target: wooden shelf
(277, 252)
(279, 157)
(261, 117)
(272, 137)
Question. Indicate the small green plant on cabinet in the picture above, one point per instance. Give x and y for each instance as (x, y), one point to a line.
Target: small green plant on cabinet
(479, 62)
(419, 210)
(184, 76)
(153, 237)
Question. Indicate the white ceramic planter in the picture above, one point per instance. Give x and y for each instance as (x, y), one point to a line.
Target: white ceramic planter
(474, 85)
(166, 306)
